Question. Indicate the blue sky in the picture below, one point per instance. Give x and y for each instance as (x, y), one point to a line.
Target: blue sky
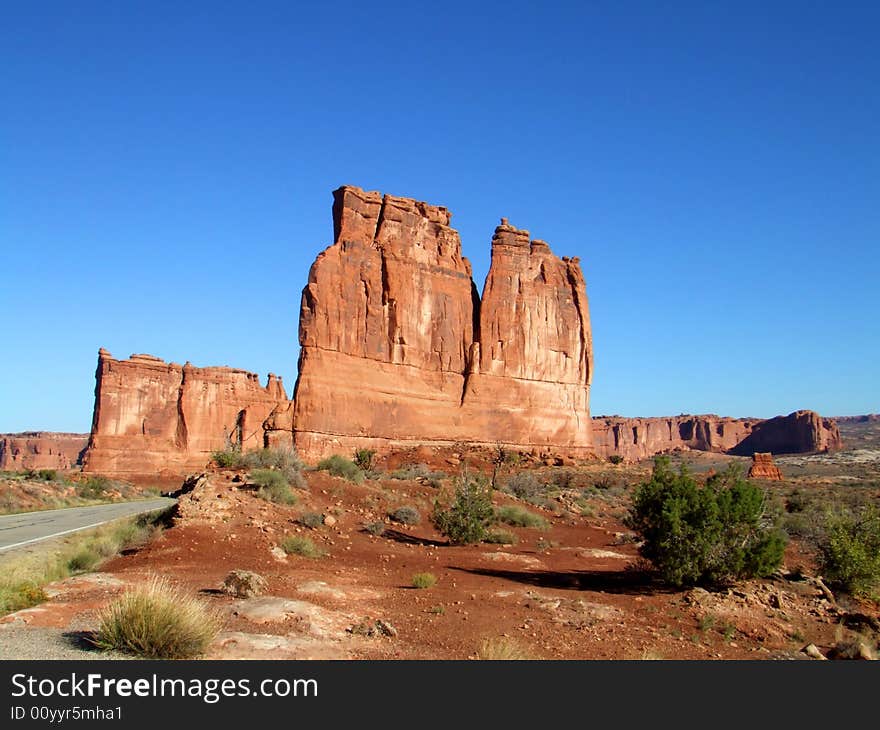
(166, 169)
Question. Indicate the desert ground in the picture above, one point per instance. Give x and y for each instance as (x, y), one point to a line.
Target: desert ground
(572, 587)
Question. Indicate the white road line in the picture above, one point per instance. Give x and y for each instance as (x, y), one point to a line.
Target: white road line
(56, 534)
(75, 529)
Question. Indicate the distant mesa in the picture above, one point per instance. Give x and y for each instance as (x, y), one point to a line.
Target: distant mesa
(399, 348)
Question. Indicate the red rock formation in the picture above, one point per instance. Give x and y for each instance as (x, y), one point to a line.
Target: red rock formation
(800, 432)
(763, 468)
(153, 417)
(641, 438)
(41, 450)
(397, 348)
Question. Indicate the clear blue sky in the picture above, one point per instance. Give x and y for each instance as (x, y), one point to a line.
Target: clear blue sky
(166, 169)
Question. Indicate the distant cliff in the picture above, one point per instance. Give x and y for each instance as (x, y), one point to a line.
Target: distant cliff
(41, 450)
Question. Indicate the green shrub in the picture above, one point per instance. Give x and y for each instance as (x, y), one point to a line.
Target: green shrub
(849, 554)
(376, 529)
(710, 534)
(615, 459)
(18, 595)
(524, 485)
(519, 517)
(406, 515)
(47, 475)
(83, 560)
(500, 537)
(158, 621)
(363, 458)
(424, 580)
(230, 458)
(339, 466)
(312, 520)
(95, 487)
(272, 486)
(467, 519)
(302, 546)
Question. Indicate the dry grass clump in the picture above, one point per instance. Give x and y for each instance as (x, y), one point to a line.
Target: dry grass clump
(159, 621)
(503, 649)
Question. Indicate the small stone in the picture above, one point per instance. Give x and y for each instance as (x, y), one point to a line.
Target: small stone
(244, 584)
(812, 651)
(385, 628)
(329, 520)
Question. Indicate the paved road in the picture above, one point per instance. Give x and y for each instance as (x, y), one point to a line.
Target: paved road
(30, 527)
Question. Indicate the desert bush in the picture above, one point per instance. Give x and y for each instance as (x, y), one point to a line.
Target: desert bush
(312, 520)
(503, 649)
(524, 485)
(339, 466)
(302, 546)
(376, 529)
(406, 515)
(282, 459)
(229, 458)
(424, 580)
(562, 478)
(17, 595)
(467, 519)
(710, 534)
(518, 517)
(849, 554)
(364, 459)
(47, 475)
(272, 486)
(158, 621)
(605, 482)
(95, 487)
(615, 459)
(500, 537)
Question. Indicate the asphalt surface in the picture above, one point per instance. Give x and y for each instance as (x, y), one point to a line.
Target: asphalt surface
(31, 527)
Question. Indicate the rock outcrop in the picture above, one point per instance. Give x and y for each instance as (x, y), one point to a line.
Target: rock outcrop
(153, 417)
(397, 347)
(763, 468)
(641, 438)
(797, 433)
(41, 450)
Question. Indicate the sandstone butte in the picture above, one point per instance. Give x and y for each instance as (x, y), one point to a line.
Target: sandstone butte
(763, 468)
(41, 450)
(398, 348)
(153, 417)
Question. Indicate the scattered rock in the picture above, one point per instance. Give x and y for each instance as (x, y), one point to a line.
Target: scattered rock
(244, 584)
(812, 651)
(385, 628)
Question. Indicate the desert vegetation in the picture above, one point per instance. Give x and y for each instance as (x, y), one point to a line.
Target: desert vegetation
(710, 534)
(343, 468)
(302, 546)
(157, 620)
(467, 519)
